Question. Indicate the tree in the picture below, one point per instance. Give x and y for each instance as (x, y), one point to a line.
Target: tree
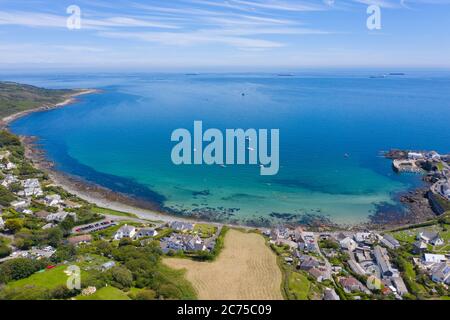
(20, 268)
(67, 224)
(14, 225)
(6, 196)
(54, 236)
(145, 294)
(122, 277)
(64, 253)
(4, 251)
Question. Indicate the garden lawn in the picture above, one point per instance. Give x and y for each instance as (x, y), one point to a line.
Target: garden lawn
(48, 279)
(299, 286)
(106, 293)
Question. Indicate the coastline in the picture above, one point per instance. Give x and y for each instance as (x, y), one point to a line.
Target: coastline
(93, 193)
(106, 198)
(4, 122)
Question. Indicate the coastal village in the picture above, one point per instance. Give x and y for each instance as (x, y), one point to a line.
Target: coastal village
(42, 223)
(47, 233)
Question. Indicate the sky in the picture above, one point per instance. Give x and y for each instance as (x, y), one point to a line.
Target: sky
(237, 35)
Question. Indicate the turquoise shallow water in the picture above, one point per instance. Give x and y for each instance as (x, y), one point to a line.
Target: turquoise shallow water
(121, 138)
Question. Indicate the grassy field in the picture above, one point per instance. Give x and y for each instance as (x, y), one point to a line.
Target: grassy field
(19, 97)
(410, 236)
(113, 212)
(299, 286)
(245, 269)
(48, 279)
(106, 293)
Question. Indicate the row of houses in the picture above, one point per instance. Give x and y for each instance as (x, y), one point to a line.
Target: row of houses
(128, 231)
(183, 242)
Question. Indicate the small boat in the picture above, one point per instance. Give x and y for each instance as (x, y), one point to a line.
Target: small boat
(346, 155)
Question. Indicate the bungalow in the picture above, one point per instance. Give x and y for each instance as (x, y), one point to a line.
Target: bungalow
(9, 179)
(390, 242)
(60, 216)
(431, 238)
(42, 214)
(10, 166)
(441, 273)
(181, 226)
(308, 262)
(319, 273)
(146, 232)
(52, 200)
(350, 284)
(125, 231)
(430, 258)
(19, 204)
(348, 244)
(24, 211)
(80, 239)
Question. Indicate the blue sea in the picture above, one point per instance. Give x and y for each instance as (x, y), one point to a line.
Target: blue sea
(332, 125)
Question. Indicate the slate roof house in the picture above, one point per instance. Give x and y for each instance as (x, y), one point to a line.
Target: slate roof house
(125, 231)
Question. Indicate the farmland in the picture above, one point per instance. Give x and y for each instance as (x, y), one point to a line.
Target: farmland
(245, 269)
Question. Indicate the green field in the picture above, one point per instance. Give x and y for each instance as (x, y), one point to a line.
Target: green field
(48, 279)
(299, 286)
(106, 293)
(16, 97)
(113, 212)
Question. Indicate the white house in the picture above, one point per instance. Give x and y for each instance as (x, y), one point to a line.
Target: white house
(31, 187)
(415, 156)
(9, 179)
(125, 231)
(441, 273)
(60, 216)
(10, 166)
(2, 223)
(431, 238)
(348, 243)
(430, 258)
(52, 200)
(19, 204)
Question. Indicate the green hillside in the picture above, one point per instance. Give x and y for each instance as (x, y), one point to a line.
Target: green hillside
(15, 97)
